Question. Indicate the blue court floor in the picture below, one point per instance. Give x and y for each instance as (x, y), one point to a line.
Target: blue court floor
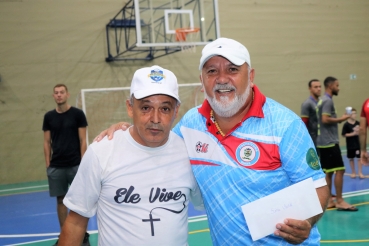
(30, 217)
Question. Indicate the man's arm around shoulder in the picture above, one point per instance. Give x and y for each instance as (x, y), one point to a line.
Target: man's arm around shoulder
(73, 230)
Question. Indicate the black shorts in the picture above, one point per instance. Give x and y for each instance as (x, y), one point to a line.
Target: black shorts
(331, 159)
(353, 153)
(60, 179)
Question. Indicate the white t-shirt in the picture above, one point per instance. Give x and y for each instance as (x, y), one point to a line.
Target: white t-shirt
(140, 194)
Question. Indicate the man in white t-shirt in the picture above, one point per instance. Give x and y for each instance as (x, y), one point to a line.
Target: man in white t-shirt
(139, 184)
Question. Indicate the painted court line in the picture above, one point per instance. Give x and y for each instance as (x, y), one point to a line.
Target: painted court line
(355, 193)
(29, 235)
(24, 188)
(199, 231)
(38, 241)
(197, 218)
(38, 235)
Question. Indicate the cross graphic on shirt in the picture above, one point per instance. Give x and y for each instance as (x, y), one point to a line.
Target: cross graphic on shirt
(151, 220)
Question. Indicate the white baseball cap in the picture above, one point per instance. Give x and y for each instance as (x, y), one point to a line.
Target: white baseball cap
(154, 80)
(230, 49)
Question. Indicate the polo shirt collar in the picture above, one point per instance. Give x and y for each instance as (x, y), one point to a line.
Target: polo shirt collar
(313, 99)
(328, 95)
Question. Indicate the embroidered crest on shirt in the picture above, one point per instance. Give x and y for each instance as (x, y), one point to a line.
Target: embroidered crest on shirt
(312, 159)
(247, 153)
(201, 147)
(156, 75)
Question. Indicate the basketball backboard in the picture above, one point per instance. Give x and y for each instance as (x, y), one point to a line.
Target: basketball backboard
(158, 20)
(148, 29)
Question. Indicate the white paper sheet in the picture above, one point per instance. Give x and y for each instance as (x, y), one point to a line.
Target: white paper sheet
(299, 201)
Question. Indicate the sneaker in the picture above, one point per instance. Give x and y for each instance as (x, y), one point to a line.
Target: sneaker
(86, 242)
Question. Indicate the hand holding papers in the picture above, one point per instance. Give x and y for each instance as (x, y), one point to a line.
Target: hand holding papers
(299, 201)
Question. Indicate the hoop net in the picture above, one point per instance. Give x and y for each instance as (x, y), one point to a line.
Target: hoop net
(185, 36)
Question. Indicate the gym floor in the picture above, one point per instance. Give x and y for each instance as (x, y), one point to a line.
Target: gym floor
(28, 217)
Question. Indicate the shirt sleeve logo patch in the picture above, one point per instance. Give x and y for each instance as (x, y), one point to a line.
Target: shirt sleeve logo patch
(312, 159)
(247, 153)
(201, 147)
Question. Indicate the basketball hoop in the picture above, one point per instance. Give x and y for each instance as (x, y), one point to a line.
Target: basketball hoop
(185, 36)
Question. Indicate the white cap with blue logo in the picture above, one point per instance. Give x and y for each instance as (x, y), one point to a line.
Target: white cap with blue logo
(154, 80)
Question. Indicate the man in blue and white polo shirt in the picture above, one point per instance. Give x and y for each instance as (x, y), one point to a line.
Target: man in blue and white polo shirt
(244, 146)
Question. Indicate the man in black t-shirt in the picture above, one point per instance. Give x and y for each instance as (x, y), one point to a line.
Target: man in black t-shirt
(64, 145)
(350, 130)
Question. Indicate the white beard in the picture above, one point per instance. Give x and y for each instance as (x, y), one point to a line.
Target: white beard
(226, 107)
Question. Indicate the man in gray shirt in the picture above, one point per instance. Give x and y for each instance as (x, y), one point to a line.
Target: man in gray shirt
(309, 109)
(327, 143)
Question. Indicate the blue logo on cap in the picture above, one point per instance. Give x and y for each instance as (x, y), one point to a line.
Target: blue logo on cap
(156, 75)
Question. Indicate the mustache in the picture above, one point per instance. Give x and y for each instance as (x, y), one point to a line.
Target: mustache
(155, 127)
(223, 87)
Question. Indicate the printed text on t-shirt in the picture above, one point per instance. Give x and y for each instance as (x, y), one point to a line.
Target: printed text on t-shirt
(124, 195)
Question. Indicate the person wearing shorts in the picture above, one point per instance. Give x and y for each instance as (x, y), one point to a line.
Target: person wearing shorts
(350, 131)
(327, 143)
(139, 184)
(64, 145)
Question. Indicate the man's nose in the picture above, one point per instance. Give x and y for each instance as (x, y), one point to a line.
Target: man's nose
(155, 116)
(222, 78)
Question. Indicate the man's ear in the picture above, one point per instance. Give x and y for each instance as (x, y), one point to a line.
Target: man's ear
(252, 76)
(202, 84)
(129, 108)
(176, 110)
